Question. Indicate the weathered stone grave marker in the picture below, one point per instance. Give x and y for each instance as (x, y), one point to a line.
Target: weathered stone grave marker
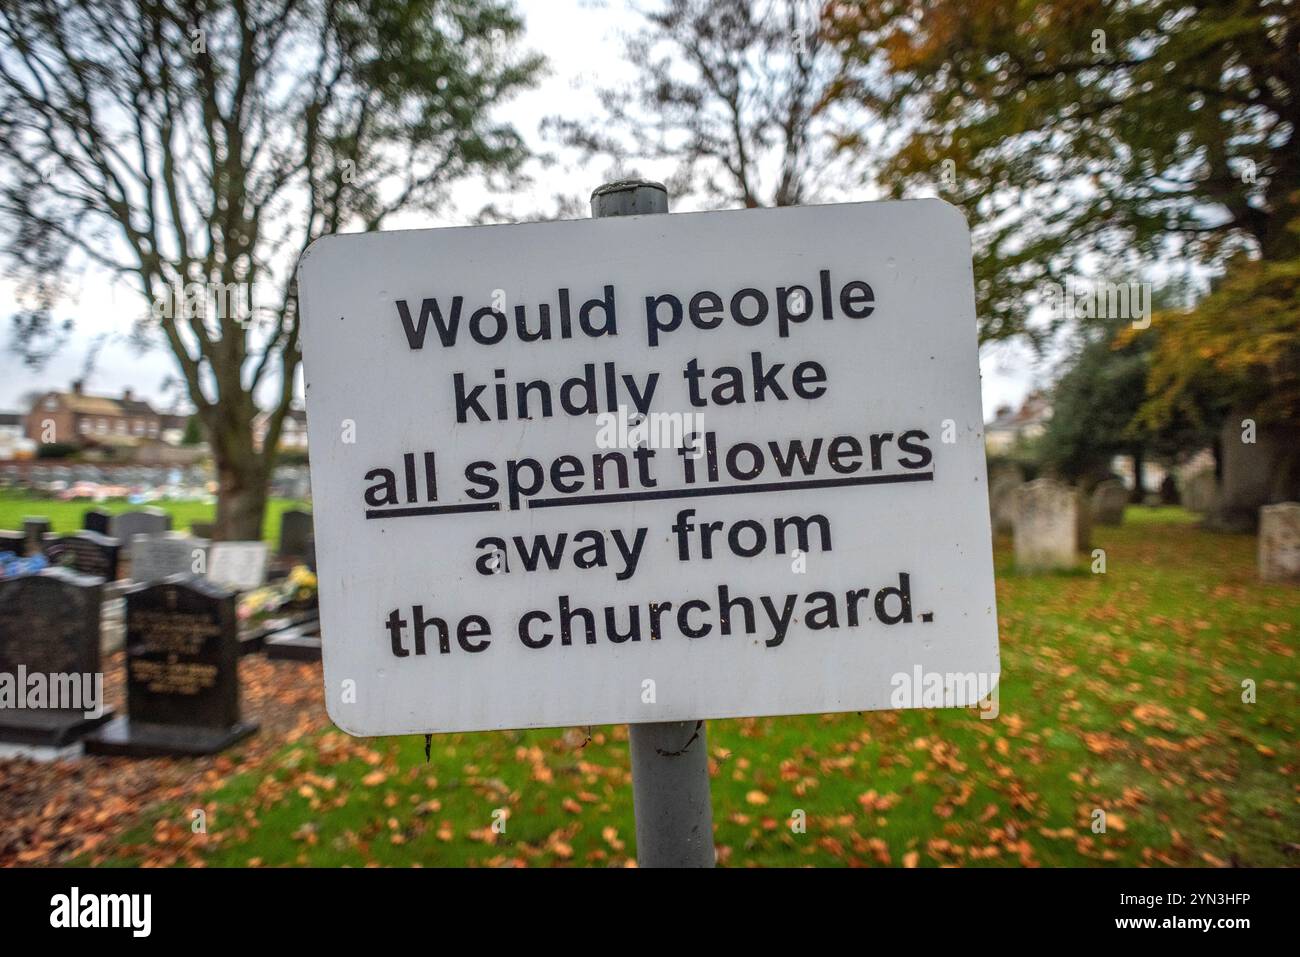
(1002, 500)
(240, 566)
(1046, 525)
(1200, 491)
(149, 521)
(1279, 542)
(155, 557)
(1109, 500)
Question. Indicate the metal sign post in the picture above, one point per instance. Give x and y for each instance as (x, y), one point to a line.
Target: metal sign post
(670, 759)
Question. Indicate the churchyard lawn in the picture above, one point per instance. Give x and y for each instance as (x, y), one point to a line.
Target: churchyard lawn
(67, 516)
(1121, 693)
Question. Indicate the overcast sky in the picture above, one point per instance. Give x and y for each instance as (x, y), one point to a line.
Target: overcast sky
(581, 41)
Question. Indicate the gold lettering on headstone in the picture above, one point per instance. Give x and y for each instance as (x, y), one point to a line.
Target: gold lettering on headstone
(182, 678)
(170, 633)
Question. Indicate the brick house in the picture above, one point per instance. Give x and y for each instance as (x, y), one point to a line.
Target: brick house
(77, 419)
(293, 433)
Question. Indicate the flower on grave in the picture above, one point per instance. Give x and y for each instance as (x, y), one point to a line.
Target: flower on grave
(302, 577)
(301, 584)
(259, 601)
(12, 565)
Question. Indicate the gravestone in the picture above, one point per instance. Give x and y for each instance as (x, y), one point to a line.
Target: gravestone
(309, 554)
(240, 566)
(1002, 499)
(86, 552)
(1082, 521)
(182, 673)
(295, 529)
(155, 557)
(1109, 499)
(203, 529)
(97, 520)
(112, 623)
(1200, 489)
(1169, 491)
(49, 627)
(1279, 542)
(15, 542)
(149, 521)
(36, 529)
(299, 643)
(1046, 525)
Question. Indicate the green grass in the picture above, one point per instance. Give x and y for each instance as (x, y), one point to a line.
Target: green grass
(1159, 515)
(67, 516)
(1120, 692)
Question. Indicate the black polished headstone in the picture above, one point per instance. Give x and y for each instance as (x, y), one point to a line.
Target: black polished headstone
(87, 552)
(97, 520)
(295, 529)
(49, 626)
(15, 542)
(182, 670)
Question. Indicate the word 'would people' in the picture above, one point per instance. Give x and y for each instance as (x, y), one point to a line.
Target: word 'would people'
(488, 324)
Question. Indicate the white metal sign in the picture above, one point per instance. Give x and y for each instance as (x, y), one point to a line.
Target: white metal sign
(650, 468)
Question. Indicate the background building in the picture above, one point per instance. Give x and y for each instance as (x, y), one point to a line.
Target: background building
(1013, 427)
(80, 420)
(293, 434)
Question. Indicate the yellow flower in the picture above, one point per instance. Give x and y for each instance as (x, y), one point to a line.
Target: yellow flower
(302, 577)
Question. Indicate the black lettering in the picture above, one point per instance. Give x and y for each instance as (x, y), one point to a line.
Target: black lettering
(856, 299)
(429, 307)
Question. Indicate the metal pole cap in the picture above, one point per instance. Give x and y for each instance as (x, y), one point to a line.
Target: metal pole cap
(629, 197)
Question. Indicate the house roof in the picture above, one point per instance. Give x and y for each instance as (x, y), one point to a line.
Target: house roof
(90, 404)
(298, 415)
(85, 404)
(1034, 410)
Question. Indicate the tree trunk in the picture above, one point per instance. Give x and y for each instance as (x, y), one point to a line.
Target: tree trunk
(1139, 491)
(241, 481)
(241, 505)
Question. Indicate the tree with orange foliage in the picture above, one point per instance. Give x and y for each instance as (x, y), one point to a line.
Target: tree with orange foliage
(1077, 131)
